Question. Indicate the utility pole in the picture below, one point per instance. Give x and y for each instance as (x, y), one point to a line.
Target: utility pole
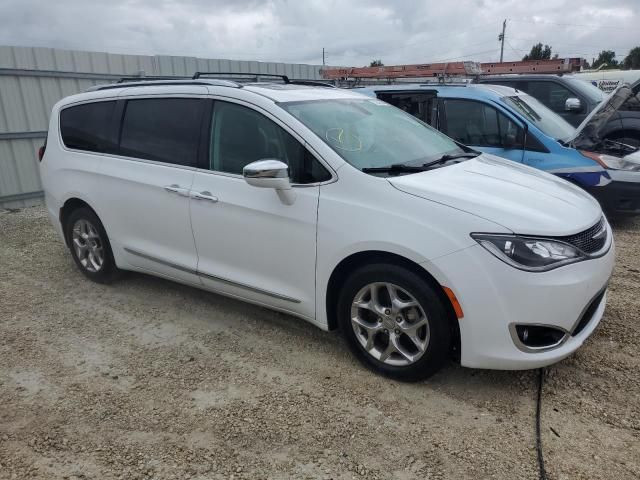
(501, 39)
(323, 56)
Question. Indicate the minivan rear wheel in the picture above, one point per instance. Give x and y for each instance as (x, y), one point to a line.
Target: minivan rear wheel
(394, 322)
(89, 246)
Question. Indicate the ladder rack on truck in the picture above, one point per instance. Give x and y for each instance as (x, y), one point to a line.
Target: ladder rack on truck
(403, 71)
(453, 69)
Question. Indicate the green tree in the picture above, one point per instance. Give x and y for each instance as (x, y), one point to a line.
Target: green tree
(606, 58)
(538, 52)
(632, 61)
(376, 63)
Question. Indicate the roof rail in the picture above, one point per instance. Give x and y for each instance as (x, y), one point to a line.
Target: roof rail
(312, 83)
(141, 82)
(284, 78)
(144, 78)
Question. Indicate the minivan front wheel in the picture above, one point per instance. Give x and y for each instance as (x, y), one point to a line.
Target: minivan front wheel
(89, 246)
(394, 322)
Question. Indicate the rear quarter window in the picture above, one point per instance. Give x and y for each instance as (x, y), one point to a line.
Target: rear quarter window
(87, 127)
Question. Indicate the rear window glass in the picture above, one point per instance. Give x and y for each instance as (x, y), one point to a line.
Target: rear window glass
(165, 130)
(86, 127)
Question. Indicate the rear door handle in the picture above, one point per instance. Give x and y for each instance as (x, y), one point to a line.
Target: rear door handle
(204, 196)
(177, 189)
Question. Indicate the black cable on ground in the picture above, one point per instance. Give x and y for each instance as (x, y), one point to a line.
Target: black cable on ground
(542, 471)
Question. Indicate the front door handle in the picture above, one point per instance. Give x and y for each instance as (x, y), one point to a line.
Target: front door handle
(204, 196)
(177, 189)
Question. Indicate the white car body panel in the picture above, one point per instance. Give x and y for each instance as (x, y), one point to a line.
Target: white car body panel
(250, 237)
(488, 289)
(525, 199)
(137, 237)
(252, 245)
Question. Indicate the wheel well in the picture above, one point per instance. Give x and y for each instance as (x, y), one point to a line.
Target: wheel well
(349, 264)
(68, 208)
(624, 133)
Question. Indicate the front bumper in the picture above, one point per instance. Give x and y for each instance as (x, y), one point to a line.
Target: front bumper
(621, 197)
(494, 295)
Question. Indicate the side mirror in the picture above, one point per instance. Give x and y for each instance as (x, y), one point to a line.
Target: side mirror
(572, 105)
(267, 173)
(270, 173)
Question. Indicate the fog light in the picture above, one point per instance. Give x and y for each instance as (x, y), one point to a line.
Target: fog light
(539, 336)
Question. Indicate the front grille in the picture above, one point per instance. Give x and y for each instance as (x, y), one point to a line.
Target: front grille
(588, 313)
(585, 241)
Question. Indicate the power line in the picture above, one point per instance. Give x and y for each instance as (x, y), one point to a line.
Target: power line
(517, 51)
(534, 22)
(440, 37)
(464, 56)
(575, 44)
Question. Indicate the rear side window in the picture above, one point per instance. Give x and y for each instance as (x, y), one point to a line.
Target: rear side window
(164, 129)
(87, 127)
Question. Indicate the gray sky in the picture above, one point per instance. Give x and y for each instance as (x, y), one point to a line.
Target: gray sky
(353, 32)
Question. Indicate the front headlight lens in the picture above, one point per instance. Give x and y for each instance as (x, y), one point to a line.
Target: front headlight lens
(528, 253)
(613, 163)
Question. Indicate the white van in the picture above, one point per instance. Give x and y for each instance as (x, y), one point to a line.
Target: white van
(608, 80)
(334, 207)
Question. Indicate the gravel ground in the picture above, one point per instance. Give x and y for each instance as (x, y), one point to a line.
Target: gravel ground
(149, 379)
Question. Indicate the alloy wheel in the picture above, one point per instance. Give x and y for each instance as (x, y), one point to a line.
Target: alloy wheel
(390, 324)
(88, 245)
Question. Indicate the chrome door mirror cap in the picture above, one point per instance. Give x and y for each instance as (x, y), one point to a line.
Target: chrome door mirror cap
(573, 105)
(267, 173)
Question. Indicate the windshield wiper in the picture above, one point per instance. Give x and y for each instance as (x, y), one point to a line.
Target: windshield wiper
(403, 168)
(395, 168)
(447, 157)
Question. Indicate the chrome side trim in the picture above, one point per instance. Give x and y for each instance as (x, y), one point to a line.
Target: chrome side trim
(212, 277)
(162, 262)
(248, 287)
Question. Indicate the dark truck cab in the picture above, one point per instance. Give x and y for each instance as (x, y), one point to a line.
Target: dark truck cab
(574, 99)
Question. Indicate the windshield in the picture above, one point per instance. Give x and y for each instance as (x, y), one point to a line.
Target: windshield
(370, 133)
(548, 122)
(587, 88)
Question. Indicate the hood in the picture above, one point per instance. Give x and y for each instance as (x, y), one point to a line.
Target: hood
(587, 135)
(520, 198)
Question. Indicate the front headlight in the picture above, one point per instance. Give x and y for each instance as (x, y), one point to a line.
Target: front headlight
(529, 253)
(614, 163)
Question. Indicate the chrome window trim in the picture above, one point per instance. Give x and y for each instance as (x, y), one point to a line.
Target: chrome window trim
(124, 157)
(131, 159)
(286, 127)
(211, 277)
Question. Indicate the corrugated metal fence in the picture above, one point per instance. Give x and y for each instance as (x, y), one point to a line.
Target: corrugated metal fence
(33, 79)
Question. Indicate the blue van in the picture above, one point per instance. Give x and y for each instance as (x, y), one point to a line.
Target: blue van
(511, 124)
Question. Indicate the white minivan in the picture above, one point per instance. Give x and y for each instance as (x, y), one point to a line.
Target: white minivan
(334, 207)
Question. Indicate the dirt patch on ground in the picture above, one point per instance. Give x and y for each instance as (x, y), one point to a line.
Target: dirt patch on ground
(150, 379)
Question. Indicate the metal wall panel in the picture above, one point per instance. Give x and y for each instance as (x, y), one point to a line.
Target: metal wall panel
(39, 77)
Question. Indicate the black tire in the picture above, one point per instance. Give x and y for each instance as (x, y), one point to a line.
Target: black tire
(439, 345)
(108, 271)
